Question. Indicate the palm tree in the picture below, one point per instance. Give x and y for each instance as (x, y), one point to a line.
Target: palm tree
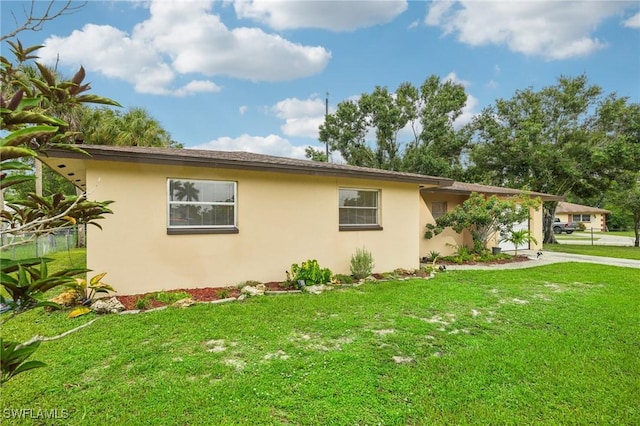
(519, 238)
(135, 127)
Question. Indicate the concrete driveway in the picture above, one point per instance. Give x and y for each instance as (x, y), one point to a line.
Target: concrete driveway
(548, 258)
(599, 239)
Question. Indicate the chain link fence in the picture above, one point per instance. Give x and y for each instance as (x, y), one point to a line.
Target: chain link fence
(28, 245)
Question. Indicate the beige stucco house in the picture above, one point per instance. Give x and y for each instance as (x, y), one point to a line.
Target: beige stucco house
(188, 218)
(593, 218)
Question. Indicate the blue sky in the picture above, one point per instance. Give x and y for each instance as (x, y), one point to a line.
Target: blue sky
(253, 75)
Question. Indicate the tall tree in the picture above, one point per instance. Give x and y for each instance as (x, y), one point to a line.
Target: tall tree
(411, 129)
(136, 127)
(564, 139)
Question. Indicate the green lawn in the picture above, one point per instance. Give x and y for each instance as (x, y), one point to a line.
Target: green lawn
(622, 233)
(546, 345)
(606, 251)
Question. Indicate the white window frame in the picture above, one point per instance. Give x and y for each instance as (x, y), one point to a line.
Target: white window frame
(360, 226)
(231, 227)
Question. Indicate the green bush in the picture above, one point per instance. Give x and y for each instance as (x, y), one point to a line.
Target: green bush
(142, 303)
(170, 297)
(343, 279)
(361, 263)
(310, 272)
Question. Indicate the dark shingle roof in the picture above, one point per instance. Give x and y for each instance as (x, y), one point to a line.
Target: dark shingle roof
(467, 188)
(242, 160)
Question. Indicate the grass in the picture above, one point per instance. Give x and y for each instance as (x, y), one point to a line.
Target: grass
(55, 243)
(606, 251)
(622, 233)
(575, 237)
(547, 345)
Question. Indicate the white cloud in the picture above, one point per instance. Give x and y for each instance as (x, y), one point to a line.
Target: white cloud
(270, 145)
(492, 84)
(452, 77)
(633, 22)
(179, 38)
(329, 15)
(197, 86)
(551, 29)
(469, 111)
(302, 117)
(243, 109)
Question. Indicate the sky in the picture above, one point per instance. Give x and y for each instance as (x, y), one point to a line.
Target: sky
(253, 75)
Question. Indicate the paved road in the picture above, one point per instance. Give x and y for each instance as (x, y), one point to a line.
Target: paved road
(548, 258)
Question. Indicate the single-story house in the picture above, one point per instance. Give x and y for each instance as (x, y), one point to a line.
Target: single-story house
(187, 218)
(440, 200)
(592, 217)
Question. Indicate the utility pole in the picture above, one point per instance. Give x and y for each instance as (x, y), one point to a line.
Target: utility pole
(326, 113)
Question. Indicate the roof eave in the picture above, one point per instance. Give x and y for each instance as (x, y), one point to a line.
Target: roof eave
(194, 161)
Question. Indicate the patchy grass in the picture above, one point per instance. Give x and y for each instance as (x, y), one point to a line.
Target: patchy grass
(606, 251)
(549, 345)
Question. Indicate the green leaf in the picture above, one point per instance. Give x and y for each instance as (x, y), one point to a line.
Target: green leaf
(95, 99)
(29, 365)
(8, 181)
(12, 152)
(22, 136)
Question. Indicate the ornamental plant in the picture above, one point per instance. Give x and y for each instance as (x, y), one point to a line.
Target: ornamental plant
(361, 263)
(483, 217)
(311, 272)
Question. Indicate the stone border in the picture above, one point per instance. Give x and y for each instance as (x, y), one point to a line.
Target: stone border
(260, 290)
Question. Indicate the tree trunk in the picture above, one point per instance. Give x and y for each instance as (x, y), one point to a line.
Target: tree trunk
(637, 229)
(38, 177)
(81, 230)
(549, 212)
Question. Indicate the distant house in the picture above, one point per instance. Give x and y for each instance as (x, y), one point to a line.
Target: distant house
(197, 218)
(592, 217)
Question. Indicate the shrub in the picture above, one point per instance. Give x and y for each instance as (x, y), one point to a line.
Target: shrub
(142, 303)
(169, 298)
(433, 255)
(343, 279)
(310, 272)
(361, 263)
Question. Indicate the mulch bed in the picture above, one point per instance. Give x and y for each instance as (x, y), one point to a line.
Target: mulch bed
(513, 259)
(209, 294)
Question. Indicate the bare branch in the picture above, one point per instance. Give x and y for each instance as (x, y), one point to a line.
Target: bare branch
(59, 336)
(35, 22)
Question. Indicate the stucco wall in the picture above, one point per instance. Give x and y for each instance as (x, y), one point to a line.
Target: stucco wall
(282, 219)
(597, 222)
(447, 242)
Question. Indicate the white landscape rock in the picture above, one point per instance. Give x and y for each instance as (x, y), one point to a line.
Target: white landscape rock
(107, 306)
(184, 303)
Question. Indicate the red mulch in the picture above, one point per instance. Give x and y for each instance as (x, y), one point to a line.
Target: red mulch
(210, 293)
(519, 258)
(199, 294)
